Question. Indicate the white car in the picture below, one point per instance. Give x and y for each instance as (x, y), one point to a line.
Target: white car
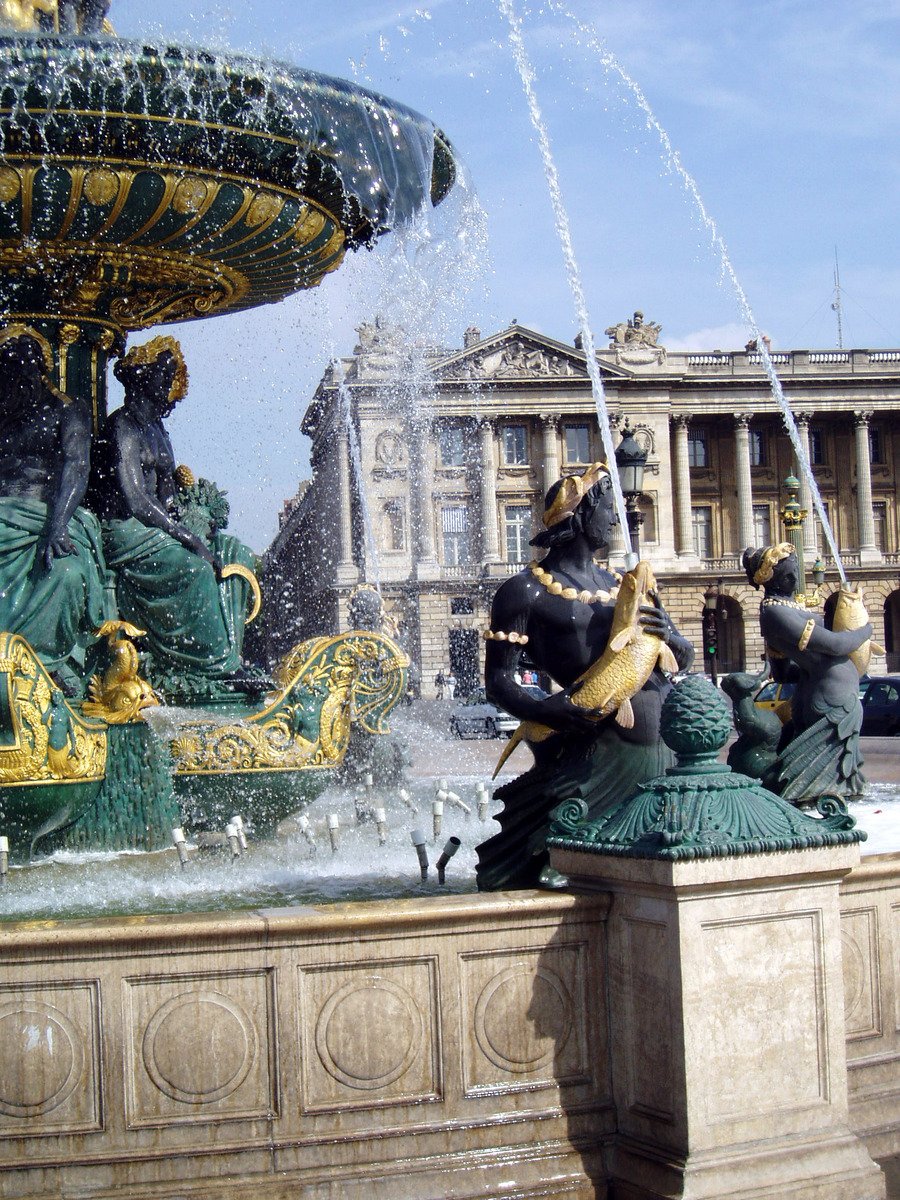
(477, 717)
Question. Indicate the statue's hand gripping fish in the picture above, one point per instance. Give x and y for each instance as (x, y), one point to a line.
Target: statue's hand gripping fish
(621, 670)
(850, 613)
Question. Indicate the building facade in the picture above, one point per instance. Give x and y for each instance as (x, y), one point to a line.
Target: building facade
(429, 471)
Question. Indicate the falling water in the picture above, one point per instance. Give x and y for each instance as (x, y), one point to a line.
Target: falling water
(673, 160)
(345, 407)
(526, 74)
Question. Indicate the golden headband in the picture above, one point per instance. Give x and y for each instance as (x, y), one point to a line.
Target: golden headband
(12, 333)
(139, 356)
(772, 555)
(572, 491)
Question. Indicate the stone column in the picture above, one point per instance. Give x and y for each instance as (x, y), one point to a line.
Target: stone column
(810, 540)
(550, 448)
(868, 551)
(490, 534)
(684, 534)
(421, 479)
(742, 480)
(346, 568)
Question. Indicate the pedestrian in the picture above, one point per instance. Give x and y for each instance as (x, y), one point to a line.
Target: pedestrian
(439, 684)
(451, 686)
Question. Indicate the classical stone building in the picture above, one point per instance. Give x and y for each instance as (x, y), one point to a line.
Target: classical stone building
(429, 470)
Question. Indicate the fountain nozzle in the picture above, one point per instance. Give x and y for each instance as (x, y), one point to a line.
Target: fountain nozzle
(231, 832)
(381, 824)
(418, 840)
(450, 848)
(334, 827)
(4, 859)
(180, 845)
(238, 822)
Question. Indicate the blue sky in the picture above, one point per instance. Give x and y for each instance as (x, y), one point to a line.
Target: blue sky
(786, 114)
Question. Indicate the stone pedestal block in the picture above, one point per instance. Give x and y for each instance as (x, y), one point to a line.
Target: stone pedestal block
(727, 1027)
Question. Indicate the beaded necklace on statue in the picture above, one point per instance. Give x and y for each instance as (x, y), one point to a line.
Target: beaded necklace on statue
(773, 600)
(555, 588)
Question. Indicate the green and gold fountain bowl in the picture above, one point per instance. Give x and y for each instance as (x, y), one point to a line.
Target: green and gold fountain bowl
(141, 185)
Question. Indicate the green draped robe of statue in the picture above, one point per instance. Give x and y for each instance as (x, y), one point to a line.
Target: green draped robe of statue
(194, 623)
(55, 609)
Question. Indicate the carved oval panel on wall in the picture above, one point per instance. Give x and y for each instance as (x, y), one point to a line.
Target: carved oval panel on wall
(523, 1018)
(369, 1033)
(199, 1047)
(42, 1058)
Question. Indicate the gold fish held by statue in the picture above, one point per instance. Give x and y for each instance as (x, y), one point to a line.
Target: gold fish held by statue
(621, 670)
(850, 613)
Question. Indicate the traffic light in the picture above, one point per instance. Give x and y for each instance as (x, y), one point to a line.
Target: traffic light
(710, 634)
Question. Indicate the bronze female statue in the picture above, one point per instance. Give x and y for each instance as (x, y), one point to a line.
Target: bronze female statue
(560, 612)
(819, 748)
(168, 579)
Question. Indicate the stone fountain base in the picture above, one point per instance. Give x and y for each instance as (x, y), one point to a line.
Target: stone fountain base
(462, 1047)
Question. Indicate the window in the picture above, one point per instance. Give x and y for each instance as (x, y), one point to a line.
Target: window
(701, 522)
(452, 446)
(762, 525)
(517, 523)
(392, 525)
(578, 443)
(817, 447)
(515, 445)
(698, 452)
(647, 510)
(757, 449)
(875, 447)
(879, 514)
(461, 606)
(455, 527)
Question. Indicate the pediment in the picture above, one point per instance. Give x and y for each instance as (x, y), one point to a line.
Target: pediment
(517, 354)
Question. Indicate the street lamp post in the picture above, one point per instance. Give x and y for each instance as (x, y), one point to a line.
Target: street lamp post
(711, 630)
(631, 461)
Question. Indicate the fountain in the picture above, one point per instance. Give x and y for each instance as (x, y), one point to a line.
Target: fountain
(528, 1044)
(141, 185)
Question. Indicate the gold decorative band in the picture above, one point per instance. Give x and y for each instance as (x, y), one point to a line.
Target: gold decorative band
(772, 555)
(520, 639)
(245, 573)
(806, 635)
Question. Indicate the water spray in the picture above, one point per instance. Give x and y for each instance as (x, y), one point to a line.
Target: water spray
(450, 848)
(381, 825)
(238, 822)
(526, 74)
(334, 832)
(306, 830)
(418, 840)
(673, 160)
(233, 840)
(4, 859)
(180, 845)
(437, 816)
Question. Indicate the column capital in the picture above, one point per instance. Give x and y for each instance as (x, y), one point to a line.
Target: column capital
(862, 417)
(742, 420)
(549, 420)
(803, 418)
(485, 424)
(681, 420)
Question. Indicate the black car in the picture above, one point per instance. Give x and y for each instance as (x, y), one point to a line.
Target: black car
(881, 706)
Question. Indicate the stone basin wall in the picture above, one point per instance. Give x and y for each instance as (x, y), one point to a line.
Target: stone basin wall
(436, 1048)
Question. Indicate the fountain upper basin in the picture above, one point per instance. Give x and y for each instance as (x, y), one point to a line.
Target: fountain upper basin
(142, 184)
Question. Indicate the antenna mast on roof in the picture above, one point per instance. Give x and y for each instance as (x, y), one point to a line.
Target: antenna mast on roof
(836, 302)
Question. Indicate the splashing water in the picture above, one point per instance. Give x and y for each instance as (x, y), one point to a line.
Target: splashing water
(674, 163)
(526, 74)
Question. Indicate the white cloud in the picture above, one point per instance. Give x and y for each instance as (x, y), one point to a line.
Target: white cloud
(718, 337)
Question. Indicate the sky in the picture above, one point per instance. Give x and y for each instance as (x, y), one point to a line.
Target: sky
(785, 114)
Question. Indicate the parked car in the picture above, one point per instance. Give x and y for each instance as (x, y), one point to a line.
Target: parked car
(777, 698)
(477, 717)
(881, 707)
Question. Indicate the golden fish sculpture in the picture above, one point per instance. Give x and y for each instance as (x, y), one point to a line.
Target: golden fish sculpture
(850, 613)
(621, 670)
